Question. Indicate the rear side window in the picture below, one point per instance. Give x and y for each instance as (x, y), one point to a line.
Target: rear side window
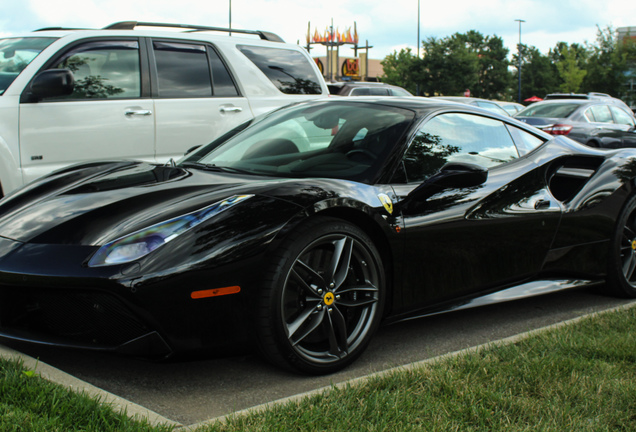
(601, 114)
(621, 117)
(289, 70)
(183, 70)
(555, 110)
(524, 141)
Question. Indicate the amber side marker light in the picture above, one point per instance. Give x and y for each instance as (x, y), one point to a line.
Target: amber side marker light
(216, 292)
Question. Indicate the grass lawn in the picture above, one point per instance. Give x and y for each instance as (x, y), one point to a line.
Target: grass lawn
(579, 377)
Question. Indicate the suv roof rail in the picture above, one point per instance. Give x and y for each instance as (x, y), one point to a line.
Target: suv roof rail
(130, 25)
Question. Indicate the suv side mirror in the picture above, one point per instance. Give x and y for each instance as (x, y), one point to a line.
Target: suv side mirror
(52, 83)
(452, 175)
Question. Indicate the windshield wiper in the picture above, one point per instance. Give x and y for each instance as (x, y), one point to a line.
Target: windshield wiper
(217, 168)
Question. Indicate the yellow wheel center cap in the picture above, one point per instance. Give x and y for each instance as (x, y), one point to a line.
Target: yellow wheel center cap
(634, 245)
(329, 298)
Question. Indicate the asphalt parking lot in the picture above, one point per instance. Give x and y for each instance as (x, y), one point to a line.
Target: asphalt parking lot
(191, 392)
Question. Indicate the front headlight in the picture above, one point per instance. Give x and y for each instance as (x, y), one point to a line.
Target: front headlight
(141, 243)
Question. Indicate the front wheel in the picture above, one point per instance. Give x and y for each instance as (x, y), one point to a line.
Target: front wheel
(323, 297)
(621, 277)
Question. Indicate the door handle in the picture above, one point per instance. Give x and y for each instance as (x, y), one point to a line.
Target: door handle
(542, 204)
(230, 109)
(142, 112)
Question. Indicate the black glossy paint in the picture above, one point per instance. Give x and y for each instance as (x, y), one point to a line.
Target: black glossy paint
(441, 248)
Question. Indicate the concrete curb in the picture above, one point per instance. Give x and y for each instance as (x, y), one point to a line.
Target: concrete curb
(74, 384)
(138, 412)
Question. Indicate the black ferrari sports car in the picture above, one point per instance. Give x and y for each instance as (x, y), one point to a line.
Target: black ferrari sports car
(301, 231)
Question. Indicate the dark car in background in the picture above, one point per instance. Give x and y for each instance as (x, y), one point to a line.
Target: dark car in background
(511, 108)
(595, 122)
(478, 102)
(587, 96)
(363, 88)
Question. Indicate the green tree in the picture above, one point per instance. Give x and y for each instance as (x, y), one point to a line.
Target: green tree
(493, 78)
(608, 64)
(401, 69)
(569, 71)
(448, 67)
(539, 75)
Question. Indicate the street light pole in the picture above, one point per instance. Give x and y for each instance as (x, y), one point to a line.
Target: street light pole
(519, 55)
(417, 86)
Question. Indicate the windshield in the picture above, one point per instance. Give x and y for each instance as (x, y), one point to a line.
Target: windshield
(549, 110)
(326, 139)
(16, 54)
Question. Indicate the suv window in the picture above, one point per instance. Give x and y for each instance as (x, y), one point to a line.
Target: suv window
(457, 138)
(16, 54)
(183, 70)
(103, 70)
(369, 91)
(289, 70)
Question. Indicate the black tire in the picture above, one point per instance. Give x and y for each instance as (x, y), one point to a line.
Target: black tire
(322, 298)
(621, 272)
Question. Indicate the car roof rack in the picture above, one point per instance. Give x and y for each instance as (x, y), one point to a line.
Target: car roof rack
(130, 25)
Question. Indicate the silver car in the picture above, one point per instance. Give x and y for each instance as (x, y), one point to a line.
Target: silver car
(597, 123)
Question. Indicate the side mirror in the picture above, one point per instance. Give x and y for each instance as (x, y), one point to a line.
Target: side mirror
(452, 175)
(191, 149)
(52, 83)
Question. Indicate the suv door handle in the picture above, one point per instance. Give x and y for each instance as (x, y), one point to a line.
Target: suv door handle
(542, 204)
(142, 112)
(229, 109)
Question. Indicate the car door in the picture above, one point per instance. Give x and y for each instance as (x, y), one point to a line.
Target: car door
(604, 129)
(196, 99)
(464, 240)
(627, 126)
(104, 118)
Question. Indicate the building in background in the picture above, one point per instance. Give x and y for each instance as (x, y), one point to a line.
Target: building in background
(341, 66)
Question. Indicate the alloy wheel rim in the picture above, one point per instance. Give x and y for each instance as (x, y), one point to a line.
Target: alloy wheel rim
(628, 251)
(330, 299)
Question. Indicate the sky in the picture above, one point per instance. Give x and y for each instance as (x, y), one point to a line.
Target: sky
(388, 26)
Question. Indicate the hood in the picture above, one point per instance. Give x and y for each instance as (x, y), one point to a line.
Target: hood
(92, 204)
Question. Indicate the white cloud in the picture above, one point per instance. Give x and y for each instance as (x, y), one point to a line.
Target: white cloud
(387, 25)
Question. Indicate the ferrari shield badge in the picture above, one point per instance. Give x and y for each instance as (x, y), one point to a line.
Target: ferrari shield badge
(386, 202)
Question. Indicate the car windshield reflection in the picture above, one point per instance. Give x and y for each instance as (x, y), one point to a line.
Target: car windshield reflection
(326, 140)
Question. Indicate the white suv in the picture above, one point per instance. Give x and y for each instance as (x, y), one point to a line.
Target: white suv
(134, 92)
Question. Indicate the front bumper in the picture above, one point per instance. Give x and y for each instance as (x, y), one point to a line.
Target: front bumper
(87, 319)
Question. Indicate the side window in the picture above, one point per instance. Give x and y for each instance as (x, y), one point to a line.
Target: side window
(589, 115)
(289, 70)
(602, 114)
(457, 138)
(378, 91)
(526, 142)
(621, 117)
(362, 91)
(223, 84)
(104, 70)
(183, 70)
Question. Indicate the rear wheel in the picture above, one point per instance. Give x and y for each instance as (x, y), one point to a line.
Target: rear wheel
(323, 298)
(622, 262)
